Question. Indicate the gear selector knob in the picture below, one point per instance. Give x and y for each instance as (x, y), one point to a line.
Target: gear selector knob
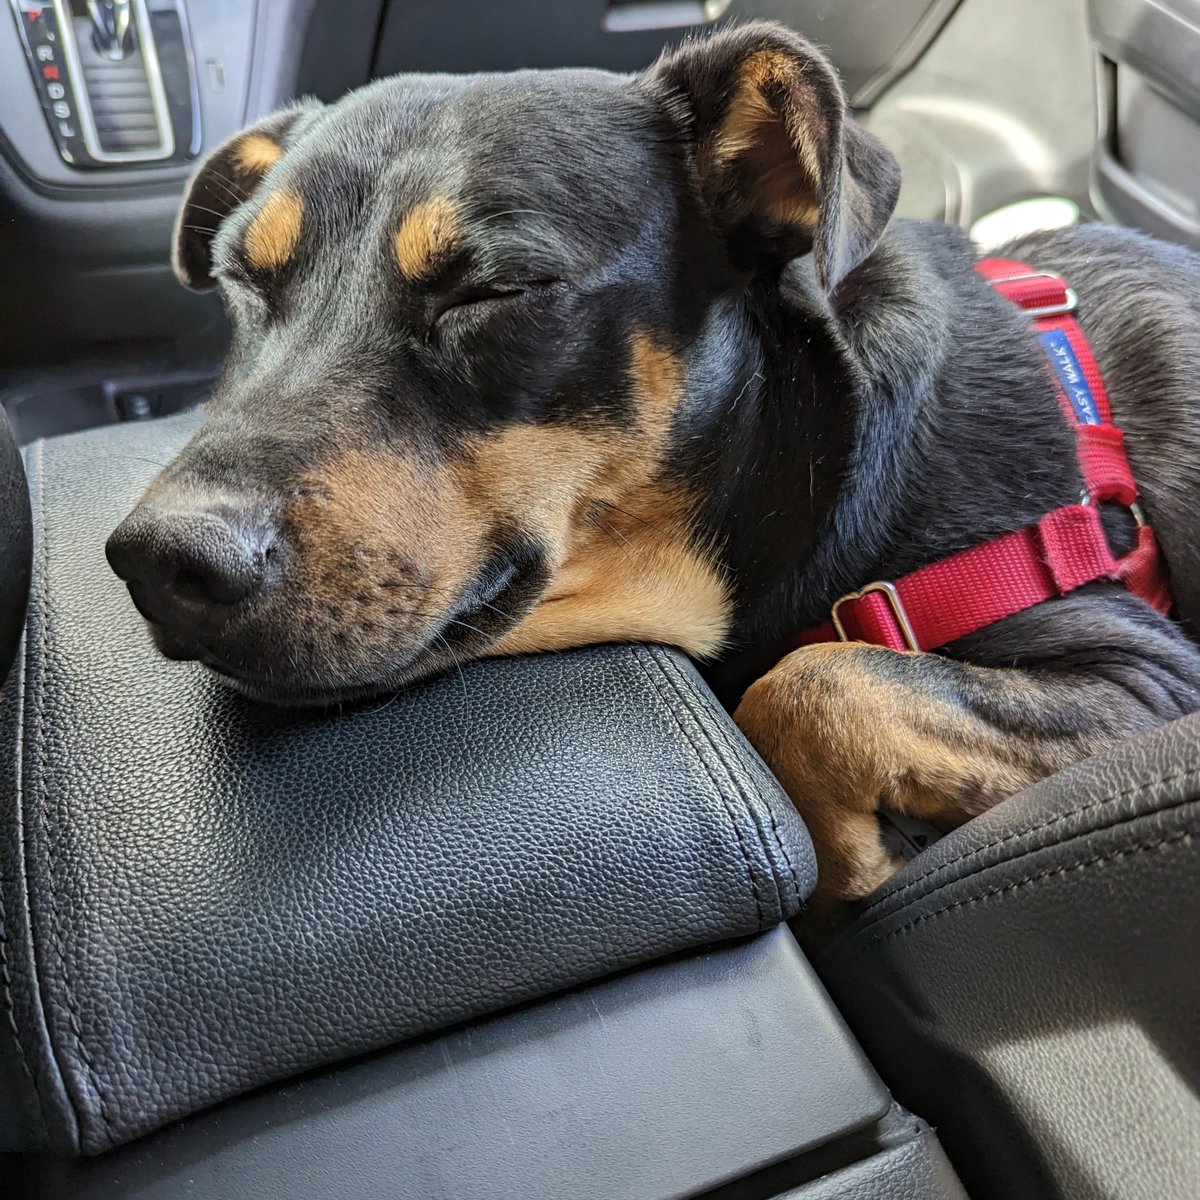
(113, 22)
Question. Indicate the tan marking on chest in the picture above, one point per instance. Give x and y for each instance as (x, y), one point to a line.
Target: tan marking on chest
(273, 235)
(637, 578)
(427, 234)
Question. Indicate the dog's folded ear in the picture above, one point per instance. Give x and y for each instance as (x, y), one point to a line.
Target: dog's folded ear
(225, 180)
(781, 166)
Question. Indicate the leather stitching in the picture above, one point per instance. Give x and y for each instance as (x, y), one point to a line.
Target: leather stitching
(666, 667)
(5, 975)
(735, 754)
(1145, 786)
(6, 990)
(1112, 856)
(674, 713)
(748, 796)
(6, 985)
(43, 795)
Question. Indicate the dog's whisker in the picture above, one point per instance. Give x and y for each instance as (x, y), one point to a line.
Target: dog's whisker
(515, 212)
(386, 704)
(617, 536)
(467, 625)
(228, 184)
(461, 677)
(430, 588)
(204, 208)
(632, 516)
(498, 611)
(140, 458)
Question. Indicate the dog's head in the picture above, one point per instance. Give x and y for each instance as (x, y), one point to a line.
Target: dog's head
(479, 325)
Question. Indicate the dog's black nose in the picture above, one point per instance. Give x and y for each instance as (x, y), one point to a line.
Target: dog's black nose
(186, 567)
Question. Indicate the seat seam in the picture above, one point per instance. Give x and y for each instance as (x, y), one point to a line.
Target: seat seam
(21, 879)
(42, 793)
(976, 851)
(1027, 880)
(665, 666)
(747, 797)
(637, 653)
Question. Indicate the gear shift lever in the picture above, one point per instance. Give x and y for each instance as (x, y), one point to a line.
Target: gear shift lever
(112, 34)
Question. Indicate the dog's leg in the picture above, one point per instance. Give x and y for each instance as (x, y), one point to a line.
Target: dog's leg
(850, 728)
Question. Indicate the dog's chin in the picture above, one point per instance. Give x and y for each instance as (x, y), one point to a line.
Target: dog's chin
(316, 695)
(328, 693)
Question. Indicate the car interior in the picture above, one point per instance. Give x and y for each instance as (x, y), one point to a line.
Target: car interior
(537, 927)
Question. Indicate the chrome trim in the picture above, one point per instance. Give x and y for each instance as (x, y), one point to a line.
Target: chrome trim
(1134, 508)
(83, 105)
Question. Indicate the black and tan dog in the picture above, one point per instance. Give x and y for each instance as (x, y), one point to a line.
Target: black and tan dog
(530, 361)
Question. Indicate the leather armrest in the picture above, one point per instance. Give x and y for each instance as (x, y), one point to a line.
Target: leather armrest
(203, 895)
(1030, 984)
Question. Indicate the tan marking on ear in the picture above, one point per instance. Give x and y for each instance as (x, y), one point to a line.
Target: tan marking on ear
(273, 234)
(255, 153)
(780, 146)
(427, 233)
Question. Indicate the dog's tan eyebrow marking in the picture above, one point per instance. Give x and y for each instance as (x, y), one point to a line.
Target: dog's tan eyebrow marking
(256, 152)
(273, 234)
(427, 234)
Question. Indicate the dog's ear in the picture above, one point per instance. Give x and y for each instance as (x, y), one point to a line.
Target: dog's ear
(227, 179)
(780, 165)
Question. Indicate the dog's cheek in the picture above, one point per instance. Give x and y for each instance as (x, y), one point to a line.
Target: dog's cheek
(379, 546)
(535, 480)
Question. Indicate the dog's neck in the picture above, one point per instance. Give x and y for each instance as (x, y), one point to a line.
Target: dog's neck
(864, 440)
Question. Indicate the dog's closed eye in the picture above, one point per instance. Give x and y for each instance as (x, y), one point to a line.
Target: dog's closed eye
(473, 299)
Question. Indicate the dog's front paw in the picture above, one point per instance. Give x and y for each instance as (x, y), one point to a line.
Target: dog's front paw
(849, 729)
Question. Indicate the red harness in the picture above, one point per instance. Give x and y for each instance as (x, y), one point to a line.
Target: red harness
(1067, 548)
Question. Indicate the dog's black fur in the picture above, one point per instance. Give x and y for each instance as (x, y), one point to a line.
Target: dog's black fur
(856, 402)
(940, 429)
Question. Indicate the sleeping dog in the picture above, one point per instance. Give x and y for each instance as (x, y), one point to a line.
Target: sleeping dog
(525, 362)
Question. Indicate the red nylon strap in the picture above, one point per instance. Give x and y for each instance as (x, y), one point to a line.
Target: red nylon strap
(977, 587)
(1067, 548)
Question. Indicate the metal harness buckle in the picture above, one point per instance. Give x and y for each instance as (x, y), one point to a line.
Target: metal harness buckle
(890, 594)
(1046, 310)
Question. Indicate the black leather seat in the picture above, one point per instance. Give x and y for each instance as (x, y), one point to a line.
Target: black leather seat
(1031, 983)
(16, 545)
(240, 944)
